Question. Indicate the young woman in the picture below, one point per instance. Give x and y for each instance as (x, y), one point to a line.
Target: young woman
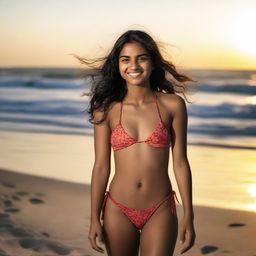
(136, 111)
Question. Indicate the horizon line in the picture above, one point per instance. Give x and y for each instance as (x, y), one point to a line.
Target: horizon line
(72, 67)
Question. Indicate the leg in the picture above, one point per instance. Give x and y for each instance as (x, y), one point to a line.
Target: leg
(121, 236)
(159, 235)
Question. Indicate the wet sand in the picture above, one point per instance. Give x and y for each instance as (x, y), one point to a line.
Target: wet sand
(41, 216)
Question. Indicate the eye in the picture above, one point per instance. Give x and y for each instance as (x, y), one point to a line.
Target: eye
(124, 60)
(143, 58)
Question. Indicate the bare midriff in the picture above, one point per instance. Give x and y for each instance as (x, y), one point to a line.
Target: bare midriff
(141, 175)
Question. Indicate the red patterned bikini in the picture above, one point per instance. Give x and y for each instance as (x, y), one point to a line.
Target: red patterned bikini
(121, 139)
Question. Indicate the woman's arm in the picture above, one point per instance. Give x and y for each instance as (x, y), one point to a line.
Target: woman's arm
(183, 173)
(100, 176)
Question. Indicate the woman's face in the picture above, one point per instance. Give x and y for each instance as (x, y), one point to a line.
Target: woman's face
(135, 64)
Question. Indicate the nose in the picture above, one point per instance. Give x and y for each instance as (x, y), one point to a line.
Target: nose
(134, 64)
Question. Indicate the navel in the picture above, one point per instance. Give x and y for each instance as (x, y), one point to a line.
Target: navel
(139, 185)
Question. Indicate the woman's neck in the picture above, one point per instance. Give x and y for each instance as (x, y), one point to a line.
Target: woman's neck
(137, 94)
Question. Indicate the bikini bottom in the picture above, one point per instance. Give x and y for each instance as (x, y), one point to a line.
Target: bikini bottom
(139, 217)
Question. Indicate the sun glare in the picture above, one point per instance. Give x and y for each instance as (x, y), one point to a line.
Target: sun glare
(252, 100)
(252, 190)
(243, 34)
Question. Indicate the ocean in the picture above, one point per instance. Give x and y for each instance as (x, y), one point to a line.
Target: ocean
(48, 100)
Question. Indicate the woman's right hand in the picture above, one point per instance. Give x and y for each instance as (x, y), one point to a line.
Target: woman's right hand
(187, 234)
(96, 231)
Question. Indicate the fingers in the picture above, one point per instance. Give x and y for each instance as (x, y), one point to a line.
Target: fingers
(94, 243)
(188, 242)
(182, 235)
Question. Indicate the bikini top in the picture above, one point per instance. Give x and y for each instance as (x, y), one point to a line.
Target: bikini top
(159, 138)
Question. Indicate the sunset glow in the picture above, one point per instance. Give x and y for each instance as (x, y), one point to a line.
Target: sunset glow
(243, 34)
(202, 34)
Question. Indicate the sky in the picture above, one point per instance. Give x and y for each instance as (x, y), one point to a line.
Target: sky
(198, 33)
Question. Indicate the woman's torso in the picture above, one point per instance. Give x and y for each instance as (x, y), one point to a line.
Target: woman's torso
(141, 170)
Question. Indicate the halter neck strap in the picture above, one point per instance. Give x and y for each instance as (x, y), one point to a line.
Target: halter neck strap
(121, 108)
(159, 114)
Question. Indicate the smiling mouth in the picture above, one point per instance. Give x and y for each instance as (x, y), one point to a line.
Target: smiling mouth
(134, 74)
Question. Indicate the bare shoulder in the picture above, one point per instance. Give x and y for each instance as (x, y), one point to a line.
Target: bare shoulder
(172, 102)
(112, 113)
(98, 114)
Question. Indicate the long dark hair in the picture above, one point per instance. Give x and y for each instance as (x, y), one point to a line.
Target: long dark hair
(107, 84)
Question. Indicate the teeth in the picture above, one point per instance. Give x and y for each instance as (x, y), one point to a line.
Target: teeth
(134, 73)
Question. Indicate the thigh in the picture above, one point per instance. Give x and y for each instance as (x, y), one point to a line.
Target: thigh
(159, 235)
(121, 236)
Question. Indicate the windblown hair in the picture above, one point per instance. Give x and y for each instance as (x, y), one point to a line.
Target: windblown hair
(107, 84)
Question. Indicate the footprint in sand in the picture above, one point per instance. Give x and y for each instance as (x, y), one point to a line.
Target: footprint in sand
(26, 238)
(236, 225)
(45, 234)
(5, 222)
(208, 249)
(58, 249)
(9, 185)
(19, 232)
(8, 203)
(6, 225)
(36, 201)
(14, 197)
(40, 245)
(21, 193)
(12, 210)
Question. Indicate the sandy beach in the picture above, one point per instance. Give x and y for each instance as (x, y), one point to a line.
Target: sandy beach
(45, 197)
(41, 216)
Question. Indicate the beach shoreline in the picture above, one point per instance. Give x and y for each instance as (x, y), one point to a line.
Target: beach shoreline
(221, 177)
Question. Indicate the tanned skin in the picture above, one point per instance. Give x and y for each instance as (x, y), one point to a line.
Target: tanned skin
(141, 171)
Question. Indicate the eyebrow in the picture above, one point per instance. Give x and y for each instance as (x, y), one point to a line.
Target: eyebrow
(143, 54)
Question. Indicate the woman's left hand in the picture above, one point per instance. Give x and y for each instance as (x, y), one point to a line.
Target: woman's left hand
(186, 234)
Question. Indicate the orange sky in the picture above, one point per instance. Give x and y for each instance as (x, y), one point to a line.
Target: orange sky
(205, 34)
